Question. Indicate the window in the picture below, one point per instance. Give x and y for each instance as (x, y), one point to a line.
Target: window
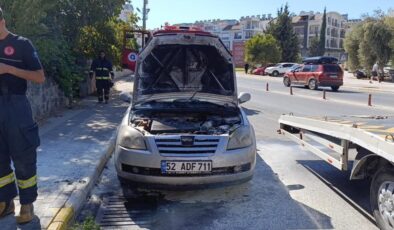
(287, 65)
(329, 20)
(237, 35)
(328, 31)
(314, 68)
(332, 68)
(307, 68)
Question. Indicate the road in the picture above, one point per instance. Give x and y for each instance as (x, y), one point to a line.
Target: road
(291, 188)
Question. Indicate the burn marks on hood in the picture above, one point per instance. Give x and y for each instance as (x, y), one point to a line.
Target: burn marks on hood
(185, 68)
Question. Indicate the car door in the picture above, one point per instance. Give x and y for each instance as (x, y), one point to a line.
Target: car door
(304, 74)
(295, 74)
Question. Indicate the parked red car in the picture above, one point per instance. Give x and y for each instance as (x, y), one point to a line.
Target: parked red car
(316, 72)
(261, 70)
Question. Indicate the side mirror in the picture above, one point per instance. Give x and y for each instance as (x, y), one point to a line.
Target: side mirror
(244, 97)
(126, 97)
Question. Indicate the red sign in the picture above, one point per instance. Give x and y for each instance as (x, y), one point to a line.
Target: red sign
(239, 53)
(129, 59)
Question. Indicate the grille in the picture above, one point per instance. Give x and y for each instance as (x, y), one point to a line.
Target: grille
(170, 146)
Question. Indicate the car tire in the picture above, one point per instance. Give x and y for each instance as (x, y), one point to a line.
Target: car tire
(335, 88)
(381, 186)
(286, 81)
(275, 73)
(312, 84)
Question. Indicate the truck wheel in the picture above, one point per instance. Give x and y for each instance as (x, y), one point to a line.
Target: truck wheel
(312, 84)
(275, 73)
(286, 81)
(335, 88)
(382, 199)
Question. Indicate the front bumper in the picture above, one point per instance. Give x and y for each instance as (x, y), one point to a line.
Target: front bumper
(148, 164)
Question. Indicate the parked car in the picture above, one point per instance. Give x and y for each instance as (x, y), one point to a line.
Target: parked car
(316, 72)
(185, 126)
(279, 69)
(261, 70)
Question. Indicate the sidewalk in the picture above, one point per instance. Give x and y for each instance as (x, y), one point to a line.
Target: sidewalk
(352, 82)
(74, 150)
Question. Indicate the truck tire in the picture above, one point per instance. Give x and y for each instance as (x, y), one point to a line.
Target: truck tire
(275, 73)
(381, 198)
(312, 84)
(286, 81)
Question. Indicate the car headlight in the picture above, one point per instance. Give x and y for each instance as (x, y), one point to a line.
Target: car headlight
(240, 138)
(131, 138)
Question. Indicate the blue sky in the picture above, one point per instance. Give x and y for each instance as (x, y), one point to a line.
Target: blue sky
(177, 11)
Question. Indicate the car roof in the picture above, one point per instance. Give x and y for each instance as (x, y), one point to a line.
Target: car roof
(320, 60)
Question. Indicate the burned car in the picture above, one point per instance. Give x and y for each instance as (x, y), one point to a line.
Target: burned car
(185, 125)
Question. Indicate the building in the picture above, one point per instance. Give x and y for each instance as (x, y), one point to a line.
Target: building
(234, 33)
(307, 25)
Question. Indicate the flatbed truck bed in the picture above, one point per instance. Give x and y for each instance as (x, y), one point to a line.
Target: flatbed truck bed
(332, 138)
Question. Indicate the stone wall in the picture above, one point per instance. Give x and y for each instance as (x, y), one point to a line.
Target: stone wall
(48, 97)
(45, 98)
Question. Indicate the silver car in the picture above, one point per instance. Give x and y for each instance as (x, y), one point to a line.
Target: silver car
(185, 126)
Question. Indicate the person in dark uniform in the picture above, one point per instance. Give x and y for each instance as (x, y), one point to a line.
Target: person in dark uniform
(246, 68)
(101, 69)
(19, 137)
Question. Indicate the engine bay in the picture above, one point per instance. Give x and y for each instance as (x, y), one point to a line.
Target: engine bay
(203, 123)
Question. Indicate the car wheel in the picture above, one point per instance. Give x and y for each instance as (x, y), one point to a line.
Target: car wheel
(286, 81)
(312, 84)
(382, 199)
(335, 88)
(275, 73)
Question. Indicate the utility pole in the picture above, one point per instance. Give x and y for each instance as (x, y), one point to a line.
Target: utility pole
(144, 15)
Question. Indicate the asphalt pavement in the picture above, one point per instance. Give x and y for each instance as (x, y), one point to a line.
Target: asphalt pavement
(291, 189)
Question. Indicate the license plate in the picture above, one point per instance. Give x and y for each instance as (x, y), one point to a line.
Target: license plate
(186, 167)
(333, 76)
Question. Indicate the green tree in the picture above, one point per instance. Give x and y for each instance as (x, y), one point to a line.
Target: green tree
(379, 38)
(314, 49)
(352, 46)
(375, 44)
(389, 22)
(282, 30)
(67, 32)
(322, 38)
(262, 49)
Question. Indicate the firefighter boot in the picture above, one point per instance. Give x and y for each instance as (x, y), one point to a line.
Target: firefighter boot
(7, 208)
(26, 214)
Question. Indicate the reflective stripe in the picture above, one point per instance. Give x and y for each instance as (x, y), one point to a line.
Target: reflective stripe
(102, 69)
(7, 180)
(102, 78)
(24, 184)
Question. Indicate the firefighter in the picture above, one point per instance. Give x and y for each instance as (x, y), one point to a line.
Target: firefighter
(101, 69)
(19, 138)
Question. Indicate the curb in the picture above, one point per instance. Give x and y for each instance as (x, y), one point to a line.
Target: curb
(77, 199)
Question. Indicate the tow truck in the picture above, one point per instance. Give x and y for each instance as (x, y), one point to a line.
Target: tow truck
(362, 144)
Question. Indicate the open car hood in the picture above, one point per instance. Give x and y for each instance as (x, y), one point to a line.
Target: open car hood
(185, 66)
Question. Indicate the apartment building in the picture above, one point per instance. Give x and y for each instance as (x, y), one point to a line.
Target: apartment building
(307, 25)
(234, 33)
